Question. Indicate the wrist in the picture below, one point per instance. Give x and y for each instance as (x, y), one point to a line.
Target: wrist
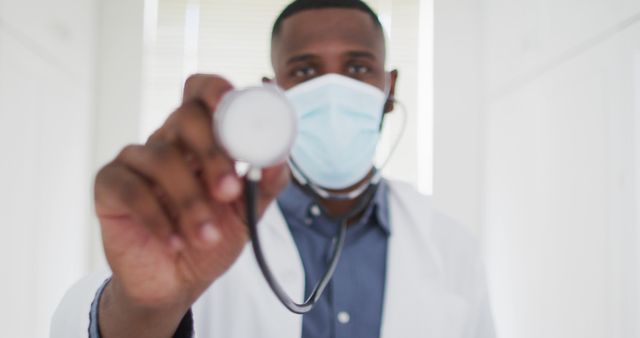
(122, 316)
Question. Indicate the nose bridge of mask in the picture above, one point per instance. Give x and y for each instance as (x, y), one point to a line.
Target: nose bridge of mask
(333, 79)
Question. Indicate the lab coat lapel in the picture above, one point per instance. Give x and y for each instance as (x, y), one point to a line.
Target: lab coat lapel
(416, 303)
(281, 252)
(241, 304)
(282, 256)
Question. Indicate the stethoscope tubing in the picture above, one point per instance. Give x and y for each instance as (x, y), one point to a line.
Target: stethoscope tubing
(251, 193)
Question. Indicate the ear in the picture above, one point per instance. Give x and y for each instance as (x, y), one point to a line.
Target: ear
(393, 77)
(266, 80)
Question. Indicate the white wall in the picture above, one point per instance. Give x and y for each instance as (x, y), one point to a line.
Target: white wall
(557, 130)
(46, 89)
(119, 73)
(70, 93)
(457, 126)
(561, 172)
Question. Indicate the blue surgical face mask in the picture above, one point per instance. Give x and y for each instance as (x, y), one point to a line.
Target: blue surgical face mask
(338, 129)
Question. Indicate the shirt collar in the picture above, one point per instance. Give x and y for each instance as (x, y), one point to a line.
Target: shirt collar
(296, 203)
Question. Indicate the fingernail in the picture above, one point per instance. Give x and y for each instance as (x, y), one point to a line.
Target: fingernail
(229, 187)
(209, 233)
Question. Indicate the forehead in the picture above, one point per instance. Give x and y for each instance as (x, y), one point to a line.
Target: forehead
(317, 30)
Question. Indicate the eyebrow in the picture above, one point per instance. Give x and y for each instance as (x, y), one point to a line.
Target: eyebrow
(362, 54)
(301, 58)
(351, 54)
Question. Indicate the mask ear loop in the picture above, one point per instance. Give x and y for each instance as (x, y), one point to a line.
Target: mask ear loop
(398, 138)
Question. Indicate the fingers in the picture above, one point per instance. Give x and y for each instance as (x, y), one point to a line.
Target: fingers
(123, 196)
(191, 126)
(163, 164)
(208, 88)
(191, 129)
(218, 168)
(178, 182)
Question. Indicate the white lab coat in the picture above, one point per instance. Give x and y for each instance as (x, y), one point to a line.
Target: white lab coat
(435, 283)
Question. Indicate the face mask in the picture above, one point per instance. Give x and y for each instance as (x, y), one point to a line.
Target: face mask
(338, 129)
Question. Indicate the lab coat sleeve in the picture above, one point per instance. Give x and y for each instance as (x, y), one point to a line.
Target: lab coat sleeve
(71, 318)
(94, 330)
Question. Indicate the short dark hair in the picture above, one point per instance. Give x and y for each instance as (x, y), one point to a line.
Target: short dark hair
(303, 5)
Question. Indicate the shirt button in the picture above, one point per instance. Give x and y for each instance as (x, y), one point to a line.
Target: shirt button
(315, 210)
(308, 221)
(343, 317)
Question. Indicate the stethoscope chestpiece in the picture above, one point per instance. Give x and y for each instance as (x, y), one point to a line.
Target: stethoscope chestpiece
(256, 125)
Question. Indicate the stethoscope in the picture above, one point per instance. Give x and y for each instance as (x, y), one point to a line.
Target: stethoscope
(257, 126)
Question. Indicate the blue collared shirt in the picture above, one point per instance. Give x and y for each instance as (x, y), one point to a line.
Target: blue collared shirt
(351, 305)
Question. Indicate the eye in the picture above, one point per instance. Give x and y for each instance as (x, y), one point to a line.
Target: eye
(358, 69)
(304, 72)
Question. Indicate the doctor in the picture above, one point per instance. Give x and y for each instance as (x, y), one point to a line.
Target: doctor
(173, 229)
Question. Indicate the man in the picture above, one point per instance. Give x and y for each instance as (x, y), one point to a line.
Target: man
(175, 237)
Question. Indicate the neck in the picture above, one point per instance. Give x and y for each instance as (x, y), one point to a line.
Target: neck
(336, 208)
